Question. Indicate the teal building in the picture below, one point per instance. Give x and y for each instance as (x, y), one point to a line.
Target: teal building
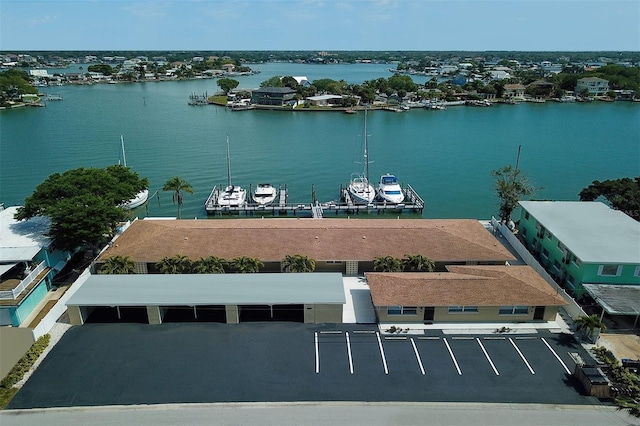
(583, 244)
(27, 266)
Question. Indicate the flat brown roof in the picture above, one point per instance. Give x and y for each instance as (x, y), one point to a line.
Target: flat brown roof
(494, 285)
(443, 240)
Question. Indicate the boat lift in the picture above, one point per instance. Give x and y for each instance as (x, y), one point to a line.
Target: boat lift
(280, 207)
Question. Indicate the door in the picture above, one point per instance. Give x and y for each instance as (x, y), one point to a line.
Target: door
(428, 313)
(538, 314)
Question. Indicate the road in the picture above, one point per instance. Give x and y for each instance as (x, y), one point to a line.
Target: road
(323, 413)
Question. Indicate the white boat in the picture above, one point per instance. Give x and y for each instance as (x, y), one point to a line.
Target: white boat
(265, 193)
(389, 189)
(359, 188)
(142, 196)
(232, 196)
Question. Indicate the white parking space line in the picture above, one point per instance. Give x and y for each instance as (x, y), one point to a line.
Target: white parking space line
(384, 360)
(452, 356)
(495, 370)
(349, 352)
(317, 354)
(556, 355)
(415, 349)
(522, 356)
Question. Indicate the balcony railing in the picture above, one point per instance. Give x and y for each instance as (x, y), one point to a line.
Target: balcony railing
(13, 294)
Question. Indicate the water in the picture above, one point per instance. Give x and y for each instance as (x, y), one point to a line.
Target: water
(447, 156)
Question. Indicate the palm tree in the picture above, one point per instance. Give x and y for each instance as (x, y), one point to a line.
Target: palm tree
(177, 185)
(175, 265)
(387, 264)
(209, 265)
(298, 263)
(418, 263)
(589, 324)
(118, 265)
(244, 264)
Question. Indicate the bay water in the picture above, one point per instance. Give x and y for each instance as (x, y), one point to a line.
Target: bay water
(447, 156)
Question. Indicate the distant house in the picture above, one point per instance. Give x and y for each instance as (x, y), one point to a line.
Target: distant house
(513, 91)
(464, 294)
(228, 67)
(302, 81)
(324, 100)
(276, 96)
(27, 266)
(594, 85)
(499, 75)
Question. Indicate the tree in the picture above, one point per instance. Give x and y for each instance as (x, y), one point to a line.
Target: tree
(177, 264)
(387, 264)
(84, 205)
(275, 81)
(209, 265)
(227, 84)
(589, 324)
(418, 263)
(511, 184)
(118, 265)
(177, 185)
(298, 263)
(244, 264)
(622, 194)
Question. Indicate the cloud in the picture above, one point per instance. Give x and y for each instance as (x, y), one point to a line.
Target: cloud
(35, 21)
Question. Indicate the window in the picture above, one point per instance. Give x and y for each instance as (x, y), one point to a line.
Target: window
(524, 231)
(571, 281)
(549, 235)
(526, 215)
(462, 309)
(556, 265)
(513, 310)
(637, 272)
(610, 270)
(402, 310)
(576, 262)
(545, 253)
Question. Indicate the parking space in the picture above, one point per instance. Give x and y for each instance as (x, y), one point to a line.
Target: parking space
(270, 361)
(482, 360)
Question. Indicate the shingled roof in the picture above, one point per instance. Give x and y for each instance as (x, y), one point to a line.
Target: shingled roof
(446, 240)
(494, 285)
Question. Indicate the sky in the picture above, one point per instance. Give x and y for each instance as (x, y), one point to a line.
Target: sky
(321, 25)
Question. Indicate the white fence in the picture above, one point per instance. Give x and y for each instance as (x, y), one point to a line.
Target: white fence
(45, 325)
(13, 294)
(573, 309)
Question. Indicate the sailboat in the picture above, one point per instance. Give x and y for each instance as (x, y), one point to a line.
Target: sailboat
(142, 196)
(359, 187)
(232, 196)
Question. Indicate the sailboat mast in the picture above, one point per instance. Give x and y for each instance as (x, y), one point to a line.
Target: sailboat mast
(366, 148)
(124, 157)
(228, 164)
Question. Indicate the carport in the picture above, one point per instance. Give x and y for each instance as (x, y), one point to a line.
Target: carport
(616, 299)
(231, 298)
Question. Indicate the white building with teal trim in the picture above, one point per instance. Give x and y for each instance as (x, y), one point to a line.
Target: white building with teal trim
(583, 243)
(27, 266)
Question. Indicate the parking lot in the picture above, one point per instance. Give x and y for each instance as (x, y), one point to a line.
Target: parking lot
(107, 364)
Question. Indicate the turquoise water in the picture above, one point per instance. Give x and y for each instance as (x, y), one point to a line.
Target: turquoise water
(446, 156)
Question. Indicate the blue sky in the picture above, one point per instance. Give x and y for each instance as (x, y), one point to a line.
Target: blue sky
(538, 25)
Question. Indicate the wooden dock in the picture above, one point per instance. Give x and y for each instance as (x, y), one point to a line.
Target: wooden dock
(280, 207)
